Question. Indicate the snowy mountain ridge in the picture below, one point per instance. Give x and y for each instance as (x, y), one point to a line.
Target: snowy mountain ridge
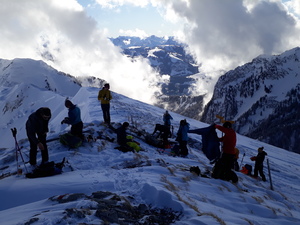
(263, 98)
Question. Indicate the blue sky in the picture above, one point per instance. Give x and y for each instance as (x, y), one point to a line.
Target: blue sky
(129, 19)
(125, 18)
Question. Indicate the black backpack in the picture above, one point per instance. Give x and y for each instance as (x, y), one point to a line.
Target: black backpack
(47, 169)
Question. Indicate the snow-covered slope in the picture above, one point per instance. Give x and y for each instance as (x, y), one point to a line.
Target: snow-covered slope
(140, 181)
(26, 85)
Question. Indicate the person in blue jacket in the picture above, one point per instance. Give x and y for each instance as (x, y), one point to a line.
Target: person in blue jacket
(74, 119)
(182, 137)
(167, 119)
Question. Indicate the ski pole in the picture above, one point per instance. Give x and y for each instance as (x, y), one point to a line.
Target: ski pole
(14, 133)
(271, 184)
(18, 149)
(243, 158)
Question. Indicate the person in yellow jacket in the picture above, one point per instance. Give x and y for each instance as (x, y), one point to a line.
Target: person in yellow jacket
(104, 96)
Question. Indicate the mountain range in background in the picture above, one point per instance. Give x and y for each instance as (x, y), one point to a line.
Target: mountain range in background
(167, 56)
(262, 96)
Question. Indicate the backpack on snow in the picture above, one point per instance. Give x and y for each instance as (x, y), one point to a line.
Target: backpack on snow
(70, 140)
(151, 140)
(47, 169)
(247, 169)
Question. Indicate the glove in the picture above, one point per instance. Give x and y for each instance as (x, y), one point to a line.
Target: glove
(64, 120)
(40, 146)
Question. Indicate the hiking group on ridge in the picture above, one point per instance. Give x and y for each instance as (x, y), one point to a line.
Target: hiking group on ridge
(225, 160)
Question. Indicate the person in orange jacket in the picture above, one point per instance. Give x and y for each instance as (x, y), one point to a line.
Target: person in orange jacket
(228, 148)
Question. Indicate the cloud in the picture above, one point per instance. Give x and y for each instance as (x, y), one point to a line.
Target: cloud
(221, 34)
(294, 7)
(60, 33)
(225, 34)
(116, 3)
(137, 33)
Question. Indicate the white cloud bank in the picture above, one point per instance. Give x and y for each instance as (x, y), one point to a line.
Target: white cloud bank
(62, 33)
(228, 33)
(225, 34)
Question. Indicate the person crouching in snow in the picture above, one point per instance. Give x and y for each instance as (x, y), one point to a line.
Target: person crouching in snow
(259, 166)
(125, 140)
(74, 119)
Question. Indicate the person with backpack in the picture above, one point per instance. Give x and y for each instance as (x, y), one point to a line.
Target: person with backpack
(104, 96)
(182, 137)
(126, 141)
(163, 132)
(36, 130)
(74, 119)
(225, 163)
(259, 166)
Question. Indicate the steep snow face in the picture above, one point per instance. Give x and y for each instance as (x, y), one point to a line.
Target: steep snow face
(262, 97)
(25, 86)
(36, 73)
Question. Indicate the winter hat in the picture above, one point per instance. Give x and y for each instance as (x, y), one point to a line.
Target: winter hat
(261, 148)
(68, 103)
(106, 85)
(46, 111)
(125, 124)
(227, 124)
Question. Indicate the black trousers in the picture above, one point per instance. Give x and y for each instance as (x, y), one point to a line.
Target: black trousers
(259, 169)
(227, 161)
(33, 150)
(183, 148)
(106, 113)
(76, 129)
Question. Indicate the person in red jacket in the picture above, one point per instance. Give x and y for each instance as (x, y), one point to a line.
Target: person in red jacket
(228, 148)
